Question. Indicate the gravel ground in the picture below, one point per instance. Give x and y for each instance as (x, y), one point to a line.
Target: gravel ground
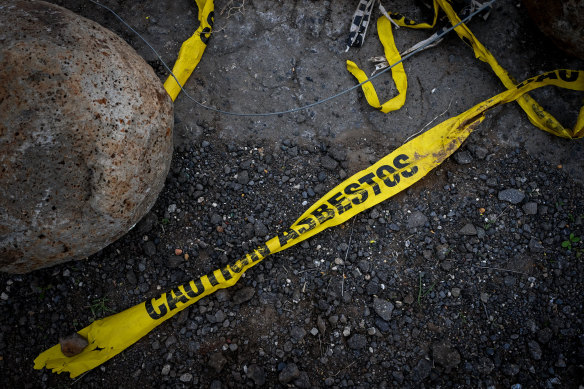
(461, 281)
(467, 279)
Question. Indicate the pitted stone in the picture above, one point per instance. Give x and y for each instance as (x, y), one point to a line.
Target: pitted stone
(85, 136)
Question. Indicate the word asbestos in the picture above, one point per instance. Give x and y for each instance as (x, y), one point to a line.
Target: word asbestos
(354, 193)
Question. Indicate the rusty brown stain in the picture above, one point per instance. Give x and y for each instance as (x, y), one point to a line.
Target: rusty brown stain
(454, 143)
(102, 101)
(418, 156)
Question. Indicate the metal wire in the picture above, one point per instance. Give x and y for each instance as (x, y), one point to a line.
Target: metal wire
(336, 95)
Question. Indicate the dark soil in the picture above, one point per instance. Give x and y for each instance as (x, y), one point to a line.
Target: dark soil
(434, 291)
(464, 280)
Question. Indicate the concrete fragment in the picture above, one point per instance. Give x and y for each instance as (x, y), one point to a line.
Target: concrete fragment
(289, 373)
(383, 308)
(469, 230)
(446, 355)
(513, 196)
(462, 157)
(417, 219)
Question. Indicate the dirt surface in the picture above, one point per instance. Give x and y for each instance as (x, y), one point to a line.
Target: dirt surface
(471, 278)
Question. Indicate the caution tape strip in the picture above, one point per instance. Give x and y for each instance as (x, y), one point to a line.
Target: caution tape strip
(398, 72)
(191, 51)
(393, 173)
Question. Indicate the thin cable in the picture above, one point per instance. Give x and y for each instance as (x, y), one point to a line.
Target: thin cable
(439, 36)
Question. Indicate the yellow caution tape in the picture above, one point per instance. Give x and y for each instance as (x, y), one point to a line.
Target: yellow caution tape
(536, 114)
(393, 173)
(397, 72)
(192, 49)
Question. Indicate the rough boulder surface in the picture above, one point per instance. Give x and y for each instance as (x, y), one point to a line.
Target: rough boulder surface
(85, 136)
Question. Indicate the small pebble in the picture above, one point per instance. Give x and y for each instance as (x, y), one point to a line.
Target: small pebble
(73, 344)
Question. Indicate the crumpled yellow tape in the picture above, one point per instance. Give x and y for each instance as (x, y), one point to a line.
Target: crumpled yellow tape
(537, 115)
(397, 72)
(192, 49)
(393, 173)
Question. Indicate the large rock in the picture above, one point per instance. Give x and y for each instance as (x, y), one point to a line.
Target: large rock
(85, 136)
